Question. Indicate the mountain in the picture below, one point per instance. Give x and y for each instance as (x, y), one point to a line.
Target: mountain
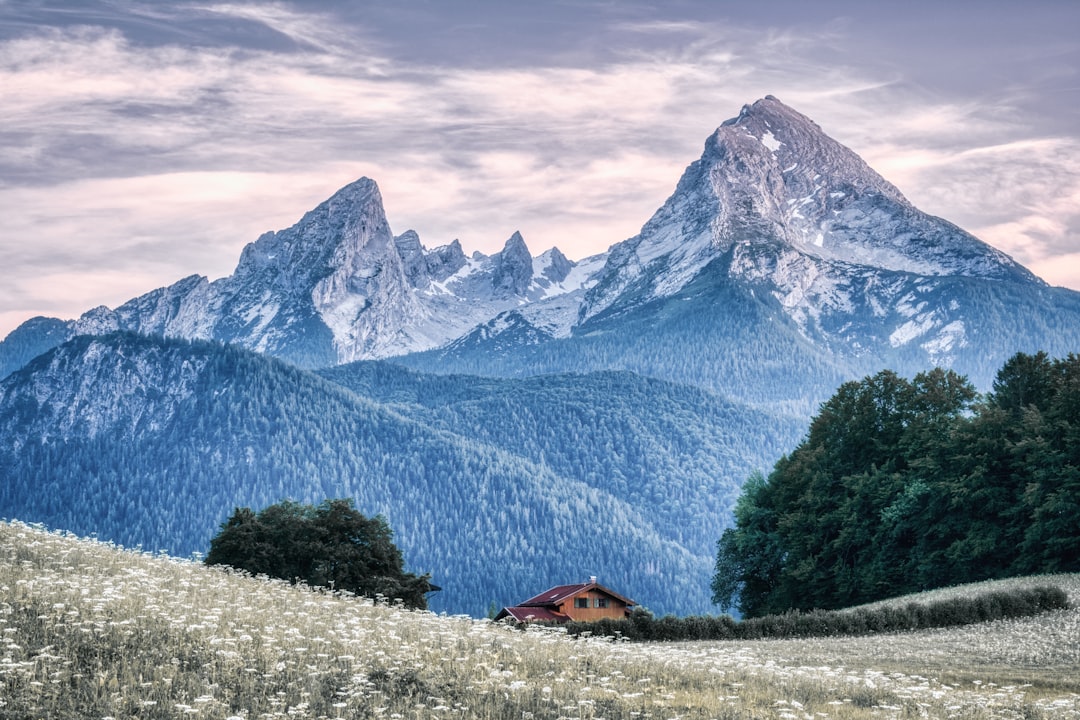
(679, 451)
(491, 485)
(781, 255)
(336, 287)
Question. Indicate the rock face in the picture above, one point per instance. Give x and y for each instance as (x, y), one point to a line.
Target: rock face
(423, 267)
(514, 268)
(90, 390)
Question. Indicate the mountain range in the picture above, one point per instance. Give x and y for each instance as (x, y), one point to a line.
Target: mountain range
(334, 288)
(782, 255)
(778, 243)
(541, 415)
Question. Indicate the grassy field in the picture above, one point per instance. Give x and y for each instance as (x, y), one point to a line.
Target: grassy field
(90, 631)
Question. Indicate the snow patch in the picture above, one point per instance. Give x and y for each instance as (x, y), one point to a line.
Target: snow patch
(342, 316)
(950, 336)
(579, 277)
(912, 329)
(258, 316)
(769, 141)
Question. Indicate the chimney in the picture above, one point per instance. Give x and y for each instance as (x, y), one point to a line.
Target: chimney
(592, 579)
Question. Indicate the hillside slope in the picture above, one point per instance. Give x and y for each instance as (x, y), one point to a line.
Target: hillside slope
(128, 635)
(153, 442)
(680, 452)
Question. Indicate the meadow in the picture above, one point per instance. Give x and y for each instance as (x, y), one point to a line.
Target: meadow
(89, 630)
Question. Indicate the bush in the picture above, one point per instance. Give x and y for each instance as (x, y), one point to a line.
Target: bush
(997, 605)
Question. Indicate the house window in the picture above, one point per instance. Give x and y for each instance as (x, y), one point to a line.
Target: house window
(601, 602)
(582, 602)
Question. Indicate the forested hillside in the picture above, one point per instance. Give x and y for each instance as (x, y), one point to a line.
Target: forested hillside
(679, 451)
(903, 486)
(154, 442)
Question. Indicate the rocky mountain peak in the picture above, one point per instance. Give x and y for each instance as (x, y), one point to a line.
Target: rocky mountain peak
(556, 265)
(422, 267)
(804, 154)
(350, 224)
(408, 246)
(412, 258)
(513, 266)
(446, 260)
(791, 205)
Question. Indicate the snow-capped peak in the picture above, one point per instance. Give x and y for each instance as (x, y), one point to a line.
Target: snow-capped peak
(772, 176)
(777, 201)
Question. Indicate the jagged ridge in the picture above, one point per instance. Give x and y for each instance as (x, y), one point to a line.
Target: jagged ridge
(843, 270)
(335, 287)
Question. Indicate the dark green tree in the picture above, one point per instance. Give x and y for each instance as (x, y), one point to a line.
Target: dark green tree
(844, 518)
(1024, 381)
(748, 556)
(328, 545)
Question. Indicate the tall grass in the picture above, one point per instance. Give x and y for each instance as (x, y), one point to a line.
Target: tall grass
(90, 631)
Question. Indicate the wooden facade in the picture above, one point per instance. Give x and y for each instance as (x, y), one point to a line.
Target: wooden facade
(584, 602)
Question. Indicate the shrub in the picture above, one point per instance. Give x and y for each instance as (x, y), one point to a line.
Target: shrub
(885, 618)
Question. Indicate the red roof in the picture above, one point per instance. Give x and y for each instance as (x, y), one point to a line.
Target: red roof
(545, 606)
(532, 614)
(557, 594)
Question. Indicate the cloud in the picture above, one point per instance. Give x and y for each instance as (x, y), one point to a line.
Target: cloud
(1022, 197)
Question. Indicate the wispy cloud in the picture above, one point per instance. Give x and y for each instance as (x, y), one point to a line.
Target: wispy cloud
(132, 164)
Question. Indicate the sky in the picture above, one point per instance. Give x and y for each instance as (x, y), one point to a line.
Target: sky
(142, 142)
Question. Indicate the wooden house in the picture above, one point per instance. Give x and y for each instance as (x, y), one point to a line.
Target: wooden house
(583, 602)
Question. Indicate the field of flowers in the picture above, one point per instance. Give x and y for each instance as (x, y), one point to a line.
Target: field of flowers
(88, 630)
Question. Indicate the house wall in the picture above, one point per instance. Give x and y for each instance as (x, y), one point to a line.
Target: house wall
(615, 608)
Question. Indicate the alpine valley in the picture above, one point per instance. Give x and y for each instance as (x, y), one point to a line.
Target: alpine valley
(521, 421)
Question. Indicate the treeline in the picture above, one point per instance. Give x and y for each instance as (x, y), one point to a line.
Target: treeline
(887, 618)
(902, 486)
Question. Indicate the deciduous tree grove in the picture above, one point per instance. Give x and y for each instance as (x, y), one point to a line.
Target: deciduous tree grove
(329, 545)
(906, 485)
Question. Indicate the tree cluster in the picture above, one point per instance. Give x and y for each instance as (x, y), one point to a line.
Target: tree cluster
(328, 545)
(901, 486)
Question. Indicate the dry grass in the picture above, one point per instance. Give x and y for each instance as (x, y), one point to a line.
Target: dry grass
(1042, 652)
(90, 631)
